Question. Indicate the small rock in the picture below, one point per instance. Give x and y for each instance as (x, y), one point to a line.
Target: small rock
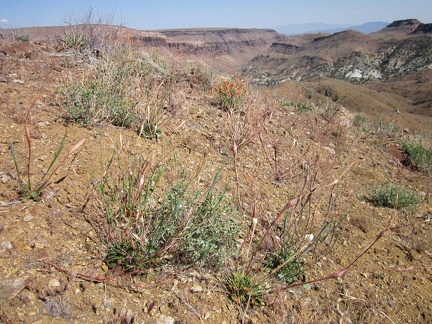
(27, 218)
(6, 246)
(165, 320)
(196, 288)
(18, 81)
(330, 150)
(104, 267)
(4, 178)
(54, 283)
(9, 288)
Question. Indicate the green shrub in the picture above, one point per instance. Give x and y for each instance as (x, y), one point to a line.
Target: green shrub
(93, 103)
(74, 40)
(360, 121)
(392, 196)
(418, 156)
(301, 106)
(243, 289)
(23, 38)
(290, 268)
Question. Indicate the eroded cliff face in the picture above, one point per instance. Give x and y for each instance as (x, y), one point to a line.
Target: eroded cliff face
(401, 48)
(225, 48)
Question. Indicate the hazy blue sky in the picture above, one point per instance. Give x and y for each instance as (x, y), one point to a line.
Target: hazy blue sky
(159, 14)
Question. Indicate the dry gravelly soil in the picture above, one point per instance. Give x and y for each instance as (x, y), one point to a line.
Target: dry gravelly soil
(51, 257)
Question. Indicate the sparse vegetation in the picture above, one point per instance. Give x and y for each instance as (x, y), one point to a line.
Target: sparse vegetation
(285, 251)
(129, 89)
(85, 31)
(384, 128)
(360, 121)
(300, 106)
(23, 38)
(244, 126)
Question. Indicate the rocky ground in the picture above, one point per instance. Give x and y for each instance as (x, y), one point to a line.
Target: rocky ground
(53, 265)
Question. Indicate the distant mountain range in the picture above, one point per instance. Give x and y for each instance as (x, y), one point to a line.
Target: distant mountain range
(312, 28)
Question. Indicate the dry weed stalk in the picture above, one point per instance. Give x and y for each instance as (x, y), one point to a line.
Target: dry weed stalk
(244, 127)
(35, 191)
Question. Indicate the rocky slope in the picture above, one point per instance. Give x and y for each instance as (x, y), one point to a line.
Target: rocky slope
(403, 47)
(53, 257)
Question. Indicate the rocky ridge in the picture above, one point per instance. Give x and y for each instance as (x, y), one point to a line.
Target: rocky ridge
(403, 47)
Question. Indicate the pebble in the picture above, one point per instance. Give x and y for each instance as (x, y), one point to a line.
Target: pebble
(196, 288)
(104, 267)
(165, 320)
(4, 178)
(6, 246)
(42, 124)
(54, 283)
(27, 218)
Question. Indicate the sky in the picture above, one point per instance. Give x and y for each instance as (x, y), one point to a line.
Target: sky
(167, 14)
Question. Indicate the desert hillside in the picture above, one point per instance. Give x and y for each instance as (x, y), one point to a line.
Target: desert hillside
(403, 47)
(144, 180)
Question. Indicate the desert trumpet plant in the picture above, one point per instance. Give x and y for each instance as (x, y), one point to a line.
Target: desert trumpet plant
(288, 246)
(34, 189)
